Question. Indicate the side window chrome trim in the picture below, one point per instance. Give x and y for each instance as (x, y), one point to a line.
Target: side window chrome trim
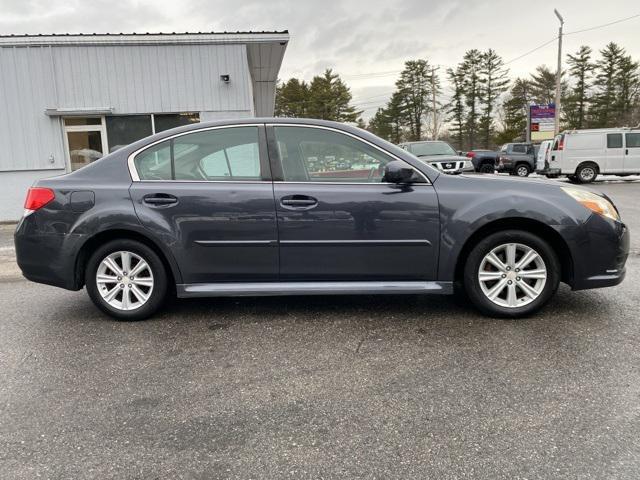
(131, 158)
(360, 139)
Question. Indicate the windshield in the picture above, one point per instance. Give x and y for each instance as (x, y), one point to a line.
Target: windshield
(431, 148)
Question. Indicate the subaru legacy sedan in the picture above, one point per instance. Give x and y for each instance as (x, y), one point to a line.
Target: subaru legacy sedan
(306, 207)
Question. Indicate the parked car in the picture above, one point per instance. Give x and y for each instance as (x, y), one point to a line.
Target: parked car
(543, 155)
(582, 155)
(235, 208)
(440, 155)
(517, 159)
(484, 161)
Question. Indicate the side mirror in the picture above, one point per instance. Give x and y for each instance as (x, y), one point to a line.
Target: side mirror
(397, 172)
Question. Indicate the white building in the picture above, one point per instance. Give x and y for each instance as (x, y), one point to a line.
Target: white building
(66, 100)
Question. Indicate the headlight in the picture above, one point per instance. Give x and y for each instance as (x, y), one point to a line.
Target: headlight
(593, 202)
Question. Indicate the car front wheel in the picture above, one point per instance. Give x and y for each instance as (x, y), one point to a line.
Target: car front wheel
(511, 274)
(126, 279)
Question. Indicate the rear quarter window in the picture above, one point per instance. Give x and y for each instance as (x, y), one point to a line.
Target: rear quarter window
(633, 140)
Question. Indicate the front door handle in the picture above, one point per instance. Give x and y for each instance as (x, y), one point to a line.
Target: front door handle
(298, 202)
(160, 199)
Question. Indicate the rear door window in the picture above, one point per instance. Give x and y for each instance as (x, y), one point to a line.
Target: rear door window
(519, 149)
(614, 140)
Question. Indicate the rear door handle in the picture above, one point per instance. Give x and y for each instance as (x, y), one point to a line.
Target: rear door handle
(298, 202)
(160, 199)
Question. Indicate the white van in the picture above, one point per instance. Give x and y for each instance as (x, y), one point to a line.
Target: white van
(582, 155)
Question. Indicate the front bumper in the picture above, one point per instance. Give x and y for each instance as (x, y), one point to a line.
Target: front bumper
(601, 254)
(454, 167)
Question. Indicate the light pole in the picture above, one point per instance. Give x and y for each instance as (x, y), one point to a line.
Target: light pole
(556, 125)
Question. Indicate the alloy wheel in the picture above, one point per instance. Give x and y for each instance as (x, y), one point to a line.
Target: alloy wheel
(124, 280)
(512, 275)
(522, 171)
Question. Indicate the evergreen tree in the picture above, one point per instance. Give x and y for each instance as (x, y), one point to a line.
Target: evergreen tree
(606, 83)
(543, 85)
(330, 99)
(292, 99)
(628, 92)
(494, 82)
(514, 112)
(470, 68)
(576, 104)
(456, 109)
(414, 88)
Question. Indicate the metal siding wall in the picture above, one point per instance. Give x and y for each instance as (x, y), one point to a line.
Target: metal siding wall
(152, 79)
(29, 138)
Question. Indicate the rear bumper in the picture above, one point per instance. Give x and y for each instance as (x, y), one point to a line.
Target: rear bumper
(49, 257)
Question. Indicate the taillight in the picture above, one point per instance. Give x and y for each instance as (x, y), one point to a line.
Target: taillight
(471, 154)
(38, 197)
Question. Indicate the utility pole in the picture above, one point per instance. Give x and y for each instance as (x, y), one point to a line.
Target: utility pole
(556, 126)
(434, 102)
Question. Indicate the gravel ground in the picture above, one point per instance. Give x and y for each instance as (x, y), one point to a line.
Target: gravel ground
(322, 387)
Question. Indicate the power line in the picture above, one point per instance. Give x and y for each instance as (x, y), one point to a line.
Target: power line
(532, 50)
(604, 25)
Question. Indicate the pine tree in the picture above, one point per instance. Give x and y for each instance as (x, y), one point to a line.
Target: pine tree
(414, 88)
(514, 112)
(330, 99)
(292, 99)
(494, 82)
(576, 104)
(456, 109)
(543, 85)
(628, 91)
(605, 99)
(470, 68)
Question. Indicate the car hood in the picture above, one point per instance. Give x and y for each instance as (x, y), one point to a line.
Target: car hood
(443, 158)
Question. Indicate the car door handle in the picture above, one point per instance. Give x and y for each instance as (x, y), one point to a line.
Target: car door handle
(300, 202)
(160, 199)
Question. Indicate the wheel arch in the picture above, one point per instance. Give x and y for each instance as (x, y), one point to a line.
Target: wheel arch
(585, 163)
(544, 231)
(105, 236)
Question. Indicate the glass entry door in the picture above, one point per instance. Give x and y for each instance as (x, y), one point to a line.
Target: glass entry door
(86, 140)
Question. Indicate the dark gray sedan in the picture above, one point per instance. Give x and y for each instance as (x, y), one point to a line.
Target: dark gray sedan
(305, 207)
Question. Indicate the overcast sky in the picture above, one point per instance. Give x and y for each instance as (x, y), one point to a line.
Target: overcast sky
(366, 41)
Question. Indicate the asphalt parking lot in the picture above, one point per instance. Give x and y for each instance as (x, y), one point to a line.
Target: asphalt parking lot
(322, 387)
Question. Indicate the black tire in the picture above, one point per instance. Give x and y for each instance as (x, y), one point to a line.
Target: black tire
(473, 263)
(586, 173)
(522, 170)
(572, 179)
(157, 293)
(487, 168)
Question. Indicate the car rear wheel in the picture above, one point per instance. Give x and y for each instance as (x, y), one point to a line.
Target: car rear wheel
(511, 274)
(487, 168)
(126, 279)
(522, 170)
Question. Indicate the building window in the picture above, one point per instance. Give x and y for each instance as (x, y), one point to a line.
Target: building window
(125, 129)
(166, 121)
(85, 139)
